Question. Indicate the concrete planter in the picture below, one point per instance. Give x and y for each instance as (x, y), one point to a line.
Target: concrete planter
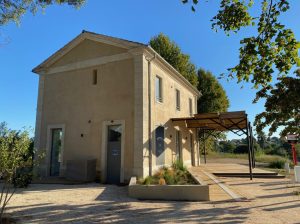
(197, 192)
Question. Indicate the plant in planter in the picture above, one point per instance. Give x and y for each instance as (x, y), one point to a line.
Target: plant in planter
(177, 174)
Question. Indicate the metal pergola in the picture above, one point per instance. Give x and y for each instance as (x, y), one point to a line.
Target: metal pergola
(207, 124)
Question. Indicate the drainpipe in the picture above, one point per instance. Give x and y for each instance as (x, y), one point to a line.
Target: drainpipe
(149, 114)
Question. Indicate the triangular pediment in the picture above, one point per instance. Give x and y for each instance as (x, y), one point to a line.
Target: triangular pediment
(88, 49)
(84, 47)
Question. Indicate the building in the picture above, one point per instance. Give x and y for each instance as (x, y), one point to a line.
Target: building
(95, 101)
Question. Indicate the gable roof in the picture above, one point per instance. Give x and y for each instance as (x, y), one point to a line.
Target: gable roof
(86, 35)
(122, 43)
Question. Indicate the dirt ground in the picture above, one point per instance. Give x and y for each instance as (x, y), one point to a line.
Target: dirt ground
(267, 201)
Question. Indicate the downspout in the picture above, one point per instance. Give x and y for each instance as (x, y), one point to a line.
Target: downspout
(149, 114)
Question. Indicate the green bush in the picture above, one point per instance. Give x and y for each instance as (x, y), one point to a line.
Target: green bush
(241, 149)
(277, 164)
(178, 165)
(22, 177)
(177, 174)
(148, 180)
(169, 177)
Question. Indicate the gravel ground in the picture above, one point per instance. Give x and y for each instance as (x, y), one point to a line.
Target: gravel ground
(268, 201)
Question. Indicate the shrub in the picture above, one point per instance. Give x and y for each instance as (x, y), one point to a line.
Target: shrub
(277, 164)
(177, 174)
(169, 177)
(14, 159)
(240, 149)
(178, 165)
(22, 177)
(148, 180)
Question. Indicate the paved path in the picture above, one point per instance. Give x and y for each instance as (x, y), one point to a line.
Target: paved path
(269, 201)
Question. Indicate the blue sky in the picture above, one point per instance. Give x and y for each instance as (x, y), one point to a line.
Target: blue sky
(25, 46)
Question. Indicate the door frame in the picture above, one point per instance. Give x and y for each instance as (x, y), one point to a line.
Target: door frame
(105, 125)
(49, 146)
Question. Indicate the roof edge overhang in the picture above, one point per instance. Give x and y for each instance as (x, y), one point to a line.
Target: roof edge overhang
(235, 120)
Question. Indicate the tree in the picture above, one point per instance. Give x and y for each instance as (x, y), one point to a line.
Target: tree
(271, 53)
(274, 46)
(214, 98)
(12, 10)
(227, 146)
(172, 53)
(261, 139)
(14, 147)
(282, 107)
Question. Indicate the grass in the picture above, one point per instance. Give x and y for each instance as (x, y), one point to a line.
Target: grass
(259, 157)
(175, 175)
(227, 155)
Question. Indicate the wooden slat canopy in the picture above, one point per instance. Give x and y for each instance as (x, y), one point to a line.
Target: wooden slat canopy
(236, 120)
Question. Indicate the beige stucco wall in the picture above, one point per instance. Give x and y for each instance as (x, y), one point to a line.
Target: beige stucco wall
(88, 49)
(70, 99)
(163, 111)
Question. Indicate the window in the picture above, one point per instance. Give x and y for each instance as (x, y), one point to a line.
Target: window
(95, 76)
(191, 106)
(177, 99)
(158, 89)
(178, 142)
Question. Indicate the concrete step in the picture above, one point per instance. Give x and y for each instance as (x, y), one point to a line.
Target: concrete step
(247, 175)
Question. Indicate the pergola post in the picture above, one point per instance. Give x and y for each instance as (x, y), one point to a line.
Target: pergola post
(252, 147)
(198, 146)
(249, 150)
(204, 148)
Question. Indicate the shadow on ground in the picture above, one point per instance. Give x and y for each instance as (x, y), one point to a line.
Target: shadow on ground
(113, 205)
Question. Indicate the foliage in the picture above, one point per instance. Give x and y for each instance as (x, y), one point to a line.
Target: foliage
(175, 175)
(12, 10)
(171, 52)
(178, 165)
(22, 177)
(240, 149)
(271, 53)
(14, 157)
(214, 98)
(226, 146)
(282, 107)
(274, 46)
(278, 163)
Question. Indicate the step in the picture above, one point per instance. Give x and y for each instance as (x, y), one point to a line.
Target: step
(254, 173)
(247, 175)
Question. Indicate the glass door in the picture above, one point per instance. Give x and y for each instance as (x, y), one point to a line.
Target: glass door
(56, 146)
